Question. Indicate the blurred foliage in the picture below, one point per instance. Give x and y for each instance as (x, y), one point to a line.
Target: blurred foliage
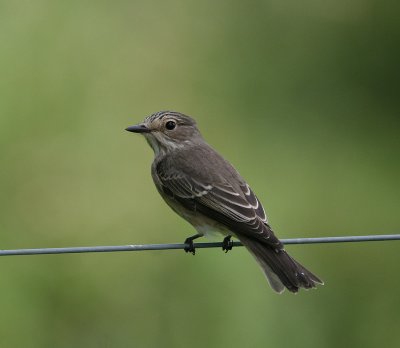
(302, 97)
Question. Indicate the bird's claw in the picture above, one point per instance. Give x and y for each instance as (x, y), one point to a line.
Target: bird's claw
(189, 246)
(227, 244)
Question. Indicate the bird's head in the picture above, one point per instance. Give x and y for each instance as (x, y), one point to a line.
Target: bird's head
(167, 131)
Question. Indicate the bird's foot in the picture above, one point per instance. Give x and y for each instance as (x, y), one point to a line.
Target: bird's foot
(189, 246)
(227, 244)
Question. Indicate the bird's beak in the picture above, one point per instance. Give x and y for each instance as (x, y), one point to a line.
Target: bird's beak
(138, 128)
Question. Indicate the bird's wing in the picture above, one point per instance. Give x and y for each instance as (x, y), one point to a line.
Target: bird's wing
(241, 211)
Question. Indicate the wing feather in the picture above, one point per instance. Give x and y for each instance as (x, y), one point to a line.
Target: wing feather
(237, 208)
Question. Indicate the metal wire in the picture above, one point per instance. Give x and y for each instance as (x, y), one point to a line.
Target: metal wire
(143, 247)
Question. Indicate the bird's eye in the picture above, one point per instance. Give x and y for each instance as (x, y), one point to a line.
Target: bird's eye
(170, 125)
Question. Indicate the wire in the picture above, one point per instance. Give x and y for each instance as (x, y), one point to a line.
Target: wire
(143, 247)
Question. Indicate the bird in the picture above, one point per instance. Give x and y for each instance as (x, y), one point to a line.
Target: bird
(207, 191)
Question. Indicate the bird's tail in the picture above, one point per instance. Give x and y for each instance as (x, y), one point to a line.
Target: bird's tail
(280, 268)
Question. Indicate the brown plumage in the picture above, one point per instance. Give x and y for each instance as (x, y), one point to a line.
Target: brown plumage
(206, 190)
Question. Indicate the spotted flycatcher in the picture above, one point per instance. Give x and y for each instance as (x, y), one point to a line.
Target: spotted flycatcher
(205, 189)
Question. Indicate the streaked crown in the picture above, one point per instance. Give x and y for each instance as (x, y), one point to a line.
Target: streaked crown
(177, 116)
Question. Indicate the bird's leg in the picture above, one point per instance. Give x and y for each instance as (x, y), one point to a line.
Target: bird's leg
(189, 247)
(227, 244)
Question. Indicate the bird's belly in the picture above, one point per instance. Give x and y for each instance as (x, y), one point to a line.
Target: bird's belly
(212, 230)
(200, 222)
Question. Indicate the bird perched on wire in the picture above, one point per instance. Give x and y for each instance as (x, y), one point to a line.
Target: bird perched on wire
(206, 190)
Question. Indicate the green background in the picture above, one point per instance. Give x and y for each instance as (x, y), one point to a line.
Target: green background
(302, 97)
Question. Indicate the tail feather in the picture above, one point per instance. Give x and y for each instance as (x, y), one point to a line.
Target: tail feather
(280, 268)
